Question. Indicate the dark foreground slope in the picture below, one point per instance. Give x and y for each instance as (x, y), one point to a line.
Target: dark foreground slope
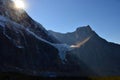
(19, 76)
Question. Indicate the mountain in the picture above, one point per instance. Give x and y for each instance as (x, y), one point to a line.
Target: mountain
(28, 49)
(25, 45)
(99, 55)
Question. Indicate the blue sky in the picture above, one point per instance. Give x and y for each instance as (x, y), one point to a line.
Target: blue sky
(66, 15)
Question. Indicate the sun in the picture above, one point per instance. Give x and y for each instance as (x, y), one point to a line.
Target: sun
(20, 4)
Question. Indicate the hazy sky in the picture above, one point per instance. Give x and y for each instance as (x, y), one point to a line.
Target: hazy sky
(66, 15)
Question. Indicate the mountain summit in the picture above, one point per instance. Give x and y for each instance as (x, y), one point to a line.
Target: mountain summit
(8, 10)
(75, 37)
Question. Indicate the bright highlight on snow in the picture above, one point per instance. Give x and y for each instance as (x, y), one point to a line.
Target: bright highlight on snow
(20, 4)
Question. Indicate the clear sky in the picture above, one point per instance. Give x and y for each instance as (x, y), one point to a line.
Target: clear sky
(66, 15)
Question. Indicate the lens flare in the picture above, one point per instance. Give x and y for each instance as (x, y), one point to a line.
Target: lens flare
(20, 4)
(78, 45)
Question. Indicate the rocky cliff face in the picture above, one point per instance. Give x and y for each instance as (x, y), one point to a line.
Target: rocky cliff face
(7, 9)
(25, 46)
